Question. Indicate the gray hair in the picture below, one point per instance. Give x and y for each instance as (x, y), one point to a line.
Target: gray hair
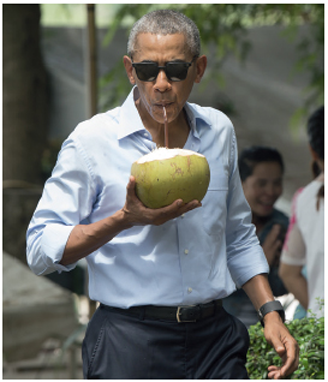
(164, 22)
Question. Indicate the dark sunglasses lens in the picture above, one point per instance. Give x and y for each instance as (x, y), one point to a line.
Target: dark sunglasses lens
(146, 72)
(176, 71)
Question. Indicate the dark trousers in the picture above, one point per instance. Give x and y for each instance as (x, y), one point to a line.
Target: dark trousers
(119, 346)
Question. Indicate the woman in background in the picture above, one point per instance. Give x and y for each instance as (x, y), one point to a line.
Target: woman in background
(304, 245)
(261, 171)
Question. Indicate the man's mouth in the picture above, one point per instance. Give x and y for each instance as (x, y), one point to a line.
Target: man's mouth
(163, 104)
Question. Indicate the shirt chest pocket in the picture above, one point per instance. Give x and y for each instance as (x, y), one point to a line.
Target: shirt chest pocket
(215, 204)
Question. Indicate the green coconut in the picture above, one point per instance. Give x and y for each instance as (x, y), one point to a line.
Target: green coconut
(166, 175)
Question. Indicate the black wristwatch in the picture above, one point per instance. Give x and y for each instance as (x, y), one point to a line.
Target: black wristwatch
(271, 306)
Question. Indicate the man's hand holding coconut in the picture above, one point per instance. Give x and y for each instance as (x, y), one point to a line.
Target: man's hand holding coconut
(139, 214)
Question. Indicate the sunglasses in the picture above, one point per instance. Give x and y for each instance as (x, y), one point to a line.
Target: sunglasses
(175, 70)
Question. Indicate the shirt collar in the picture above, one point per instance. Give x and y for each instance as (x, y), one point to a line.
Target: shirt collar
(130, 121)
(195, 112)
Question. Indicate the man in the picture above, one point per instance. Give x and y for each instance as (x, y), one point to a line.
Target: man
(159, 275)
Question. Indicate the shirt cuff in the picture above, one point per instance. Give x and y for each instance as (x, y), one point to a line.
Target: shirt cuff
(53, 242)
(258, 265)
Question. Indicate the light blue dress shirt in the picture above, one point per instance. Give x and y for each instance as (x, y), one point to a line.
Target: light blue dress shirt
(200, 256)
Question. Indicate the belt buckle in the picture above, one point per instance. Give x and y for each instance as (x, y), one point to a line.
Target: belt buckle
(178, 313)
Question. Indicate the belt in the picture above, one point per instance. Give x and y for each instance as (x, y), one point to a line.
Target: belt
(183, 313)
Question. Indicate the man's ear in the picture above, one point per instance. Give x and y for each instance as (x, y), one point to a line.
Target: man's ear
(201, 64)
(129, 69)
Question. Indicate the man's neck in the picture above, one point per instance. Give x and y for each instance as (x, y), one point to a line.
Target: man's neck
(178, 130)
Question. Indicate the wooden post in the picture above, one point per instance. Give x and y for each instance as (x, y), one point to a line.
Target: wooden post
(91, 62)
(92, 83)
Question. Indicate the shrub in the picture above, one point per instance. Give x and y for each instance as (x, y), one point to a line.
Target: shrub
(308, 332)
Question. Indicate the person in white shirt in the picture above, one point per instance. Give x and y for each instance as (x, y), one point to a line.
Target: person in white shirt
(159, 274)
(304, 244)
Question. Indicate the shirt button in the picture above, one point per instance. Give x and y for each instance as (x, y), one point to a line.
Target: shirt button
(183, 215)
(186, 251)
(189, 290)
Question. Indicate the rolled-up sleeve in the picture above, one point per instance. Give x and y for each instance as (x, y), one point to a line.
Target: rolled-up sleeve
(45, 248)
(245, 255)
(66, 201)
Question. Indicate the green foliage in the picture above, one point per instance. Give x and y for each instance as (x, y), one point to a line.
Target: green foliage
(308, 332)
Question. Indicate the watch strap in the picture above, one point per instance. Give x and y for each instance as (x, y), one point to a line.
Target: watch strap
(271, 306)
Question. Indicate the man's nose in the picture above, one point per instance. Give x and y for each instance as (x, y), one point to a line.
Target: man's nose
(162, 82)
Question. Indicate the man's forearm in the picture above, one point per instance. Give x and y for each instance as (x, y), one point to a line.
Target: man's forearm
(84, 239)
(259, 291)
